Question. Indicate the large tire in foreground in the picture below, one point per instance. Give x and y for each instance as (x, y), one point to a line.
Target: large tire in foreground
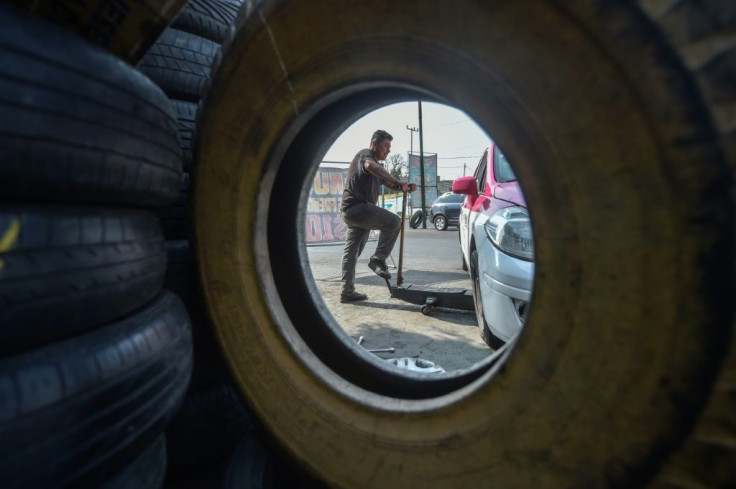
(74, 413)
(633, 300)
(697, 30)
(77, 124)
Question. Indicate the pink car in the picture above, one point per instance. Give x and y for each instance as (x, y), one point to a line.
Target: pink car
(497, 245)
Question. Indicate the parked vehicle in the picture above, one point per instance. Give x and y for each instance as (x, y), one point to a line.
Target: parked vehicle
(445, 211)
(497, 246)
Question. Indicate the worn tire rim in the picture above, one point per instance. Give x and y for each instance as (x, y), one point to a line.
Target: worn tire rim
(556, 402)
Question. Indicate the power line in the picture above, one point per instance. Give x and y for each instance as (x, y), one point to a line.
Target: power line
(457, 157)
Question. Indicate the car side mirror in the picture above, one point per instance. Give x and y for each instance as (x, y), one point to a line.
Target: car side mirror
(466, 186)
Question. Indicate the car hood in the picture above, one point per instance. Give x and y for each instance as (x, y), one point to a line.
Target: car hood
(510, 192)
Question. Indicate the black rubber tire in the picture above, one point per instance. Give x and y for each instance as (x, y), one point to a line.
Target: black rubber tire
(175, 218)
(210, 369)
(206, 430)
(416, 219)
(697, 30)
(254, 465)
(490, 339)
(74, 413)
(210, 19)
(147, 471)
(125, 28)
(440, 222)
(186, 116)
(77, 124)
(64, 270)
(654, 189)
(180, 63)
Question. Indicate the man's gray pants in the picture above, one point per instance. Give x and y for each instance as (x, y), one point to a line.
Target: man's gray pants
(361, 219)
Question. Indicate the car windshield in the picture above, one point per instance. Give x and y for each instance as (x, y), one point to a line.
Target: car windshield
(502, 168)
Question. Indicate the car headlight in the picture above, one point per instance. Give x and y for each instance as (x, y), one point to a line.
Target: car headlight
(510, 229)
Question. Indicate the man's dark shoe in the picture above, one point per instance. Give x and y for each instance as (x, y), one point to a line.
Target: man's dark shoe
(379, 268)
(352, 297)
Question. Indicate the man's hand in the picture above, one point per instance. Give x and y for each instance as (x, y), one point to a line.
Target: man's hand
(408, 187)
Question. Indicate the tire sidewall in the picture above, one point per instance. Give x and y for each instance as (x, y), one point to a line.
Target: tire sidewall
(583, 220)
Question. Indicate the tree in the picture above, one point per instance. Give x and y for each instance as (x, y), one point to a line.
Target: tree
(396, 165)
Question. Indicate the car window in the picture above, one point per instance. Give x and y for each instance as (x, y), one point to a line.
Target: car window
(502, 168)
(480, 172)
(456, 198)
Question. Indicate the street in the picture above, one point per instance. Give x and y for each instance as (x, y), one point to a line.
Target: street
(449, 338)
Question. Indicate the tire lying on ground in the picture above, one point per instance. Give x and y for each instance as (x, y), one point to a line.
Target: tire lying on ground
(76, 412)
(629, 195)
(64, 270)
(416, 219)
(77, 124)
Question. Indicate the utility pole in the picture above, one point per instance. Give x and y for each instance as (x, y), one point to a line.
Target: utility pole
(411, 148)
(421, 165)
(411, 145)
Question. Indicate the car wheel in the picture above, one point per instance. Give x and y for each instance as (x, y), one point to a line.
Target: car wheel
(636, 119)
(440, 223)
(485, 332)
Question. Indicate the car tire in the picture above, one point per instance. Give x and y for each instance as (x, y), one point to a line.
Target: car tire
(74, 413)
(440, 223)
(79, 125)
(147, 471)
(596, 262)
(210, 19)
(126, 29)
(490, 339)
(206, 429)
(416, 219)
(255, 465)
(179, 63)
(64, 270)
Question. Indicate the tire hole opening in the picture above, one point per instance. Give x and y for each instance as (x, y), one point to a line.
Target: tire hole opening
(307, 231)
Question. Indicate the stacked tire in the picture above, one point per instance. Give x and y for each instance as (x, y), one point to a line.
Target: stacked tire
(95, 356)
(213, 420)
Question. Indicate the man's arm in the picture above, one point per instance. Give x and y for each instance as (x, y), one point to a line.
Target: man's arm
(374, 168)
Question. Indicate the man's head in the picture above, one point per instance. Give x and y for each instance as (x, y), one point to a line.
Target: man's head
(381, 144)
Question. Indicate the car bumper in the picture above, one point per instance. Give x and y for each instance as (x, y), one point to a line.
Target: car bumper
(506, 288)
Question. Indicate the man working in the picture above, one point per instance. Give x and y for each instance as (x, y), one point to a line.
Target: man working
(361, 214)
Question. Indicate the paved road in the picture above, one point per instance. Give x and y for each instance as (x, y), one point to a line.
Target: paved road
(448, 338)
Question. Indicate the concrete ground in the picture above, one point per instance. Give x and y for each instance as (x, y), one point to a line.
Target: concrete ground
(449, 338)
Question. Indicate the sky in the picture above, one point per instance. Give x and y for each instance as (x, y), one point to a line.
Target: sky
(449, 132)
